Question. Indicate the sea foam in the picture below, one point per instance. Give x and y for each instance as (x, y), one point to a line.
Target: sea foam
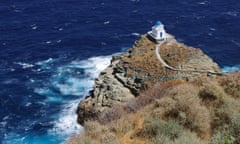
(66, 86)
(24, 65)
(231, 68)
(66, 124)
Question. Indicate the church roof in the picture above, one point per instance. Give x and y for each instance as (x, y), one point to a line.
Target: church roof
(158, 23)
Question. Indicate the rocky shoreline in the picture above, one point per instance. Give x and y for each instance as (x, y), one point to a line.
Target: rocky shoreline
(138, 69)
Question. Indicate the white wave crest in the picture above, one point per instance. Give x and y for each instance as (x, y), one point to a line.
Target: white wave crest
(136, 34)
(24, 65)
(231, 68)
(67, 85)
(49, 60)
(66, 124)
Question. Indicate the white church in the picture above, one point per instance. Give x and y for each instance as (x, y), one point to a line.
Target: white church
(158, 32)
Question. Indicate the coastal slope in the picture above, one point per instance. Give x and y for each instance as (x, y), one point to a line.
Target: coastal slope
(139, 68)
(166, 93)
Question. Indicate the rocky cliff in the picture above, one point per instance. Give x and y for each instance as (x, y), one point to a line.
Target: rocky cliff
(138, 69)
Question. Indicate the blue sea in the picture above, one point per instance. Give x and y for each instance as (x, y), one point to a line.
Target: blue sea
(52, 50)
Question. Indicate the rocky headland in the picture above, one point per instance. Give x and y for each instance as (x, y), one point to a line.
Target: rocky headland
(139, 69)
(161, 93)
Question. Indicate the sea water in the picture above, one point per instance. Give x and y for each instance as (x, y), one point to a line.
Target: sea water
(52, 50)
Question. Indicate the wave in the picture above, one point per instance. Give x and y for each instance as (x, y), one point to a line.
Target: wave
(231, 68)
(24, 65)
(79, 80)
(73, 79)
(66, 86)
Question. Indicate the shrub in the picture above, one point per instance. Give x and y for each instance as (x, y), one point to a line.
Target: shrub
(172, 129)
(222, 137)
(231, 84)
(188, 137)
(138, 103)
(234, 127)
(167, 108)
(212, 94)
(116, 112)
(162, 139)
(168, 132)
(188, 102)
(228, 110)
(120, 126)
(161, 88)
(94, 129)
(167, 103)
(99, 132)
(228, 128)
(154, 128)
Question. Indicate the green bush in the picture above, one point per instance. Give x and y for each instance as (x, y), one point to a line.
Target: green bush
(162, 139)
(234, 127)
(187, 137)
(153, 128)
(222, 137)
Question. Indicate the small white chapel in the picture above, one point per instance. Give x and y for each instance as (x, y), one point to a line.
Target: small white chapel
(158, 32)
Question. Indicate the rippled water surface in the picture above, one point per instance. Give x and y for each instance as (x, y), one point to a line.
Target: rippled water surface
(51, 51)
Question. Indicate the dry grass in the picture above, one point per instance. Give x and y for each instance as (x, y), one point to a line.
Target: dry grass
(186, 137)
(197, 115)
(81, 140)
(186, 106)
(211, 93)
(175, 112)
(154, 127)
(117, 111)
(231, 84)
(95, 134)
(141, 61)
(94, 129)
(123, 125)
(228, 122)
(222, 137)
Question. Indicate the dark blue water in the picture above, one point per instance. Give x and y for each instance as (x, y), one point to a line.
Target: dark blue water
(51, 51)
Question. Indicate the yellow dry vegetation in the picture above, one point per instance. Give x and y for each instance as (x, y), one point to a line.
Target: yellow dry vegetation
(201, 111)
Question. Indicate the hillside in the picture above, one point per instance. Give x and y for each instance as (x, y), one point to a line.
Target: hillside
(138, 99)
(201, 111)
(138, 69)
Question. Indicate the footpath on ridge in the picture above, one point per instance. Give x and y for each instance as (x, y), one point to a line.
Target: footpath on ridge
(181, 70)
(140, 68)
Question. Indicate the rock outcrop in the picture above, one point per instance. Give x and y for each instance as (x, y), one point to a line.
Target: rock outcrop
(138, 69)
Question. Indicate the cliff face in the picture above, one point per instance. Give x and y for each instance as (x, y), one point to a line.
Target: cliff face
(139, 68)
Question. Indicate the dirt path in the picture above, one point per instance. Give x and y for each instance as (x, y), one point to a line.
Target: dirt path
(182, 70)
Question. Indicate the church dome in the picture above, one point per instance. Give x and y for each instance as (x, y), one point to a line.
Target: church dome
(158, 23)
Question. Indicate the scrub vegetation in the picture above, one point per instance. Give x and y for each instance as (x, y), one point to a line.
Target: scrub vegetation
(201, 111)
